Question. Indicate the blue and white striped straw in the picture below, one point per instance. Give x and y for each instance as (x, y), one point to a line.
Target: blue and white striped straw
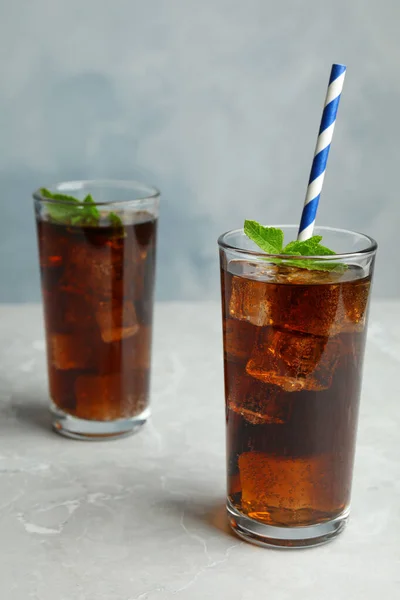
(321, 153)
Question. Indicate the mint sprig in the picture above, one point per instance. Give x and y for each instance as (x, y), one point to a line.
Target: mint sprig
(71, 211)
(270, 240)
(310, 247)
(114, 219)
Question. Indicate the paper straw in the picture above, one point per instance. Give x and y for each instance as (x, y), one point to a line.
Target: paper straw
(321, 152)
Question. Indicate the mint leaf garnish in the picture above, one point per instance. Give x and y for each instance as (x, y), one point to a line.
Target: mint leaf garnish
(71, 211)
(270, 239)
(115, 220)
(89, 213)
(310, 247)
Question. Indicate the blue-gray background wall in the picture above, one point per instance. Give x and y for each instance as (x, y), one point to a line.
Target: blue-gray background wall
(216, 102)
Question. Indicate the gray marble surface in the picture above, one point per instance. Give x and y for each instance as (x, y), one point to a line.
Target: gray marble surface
(143, 517)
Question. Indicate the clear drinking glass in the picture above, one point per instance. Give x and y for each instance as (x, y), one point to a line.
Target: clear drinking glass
(97, 263)
(293, 352)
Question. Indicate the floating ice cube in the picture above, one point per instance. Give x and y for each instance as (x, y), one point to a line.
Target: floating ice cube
(257, 403)
(69, 351)
(248, 301)
(312, 309)
(113, 396)
(250, 296)
(239, 337)
(286, 487)
(77, 312)
(297, 276)
(116, 322)
(355, 305)
(294, 361)
(98, 397)
(319, 303)
(94, 270)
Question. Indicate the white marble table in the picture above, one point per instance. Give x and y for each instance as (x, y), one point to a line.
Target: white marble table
(143, 517)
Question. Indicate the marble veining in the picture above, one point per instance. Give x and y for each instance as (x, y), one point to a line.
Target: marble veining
(143, 518)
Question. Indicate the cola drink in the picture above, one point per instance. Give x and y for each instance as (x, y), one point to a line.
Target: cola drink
(293, 354)
(97, 286)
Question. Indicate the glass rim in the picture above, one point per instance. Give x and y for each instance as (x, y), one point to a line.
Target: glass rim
(82, 184)
(369, 250)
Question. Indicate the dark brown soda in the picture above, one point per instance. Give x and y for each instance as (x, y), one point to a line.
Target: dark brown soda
(97, 285)
(293, 348)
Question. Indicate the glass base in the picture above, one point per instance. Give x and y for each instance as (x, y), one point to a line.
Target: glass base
(285, 537)
(83, 429)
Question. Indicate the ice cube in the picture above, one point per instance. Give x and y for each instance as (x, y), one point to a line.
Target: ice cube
(297, 276)
(108, 397)
(116, 322)
(294, 361)
(69, 313)
(355, 305)
(69, 351)
(286, 297)
(77, 312)
(133, 352)
(256, 402)
(287, 489)
(94, 270)
(250, 299)
(239, 337)
(98, 397)
(312, 309)
(322, 303)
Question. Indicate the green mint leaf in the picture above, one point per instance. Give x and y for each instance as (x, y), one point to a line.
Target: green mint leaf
(89, 213)
(71, 211)
(310, 247)
(90, 203)
(76, 220)
(115, 220)
(297, 247)
(268, 239)
(62, 197)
